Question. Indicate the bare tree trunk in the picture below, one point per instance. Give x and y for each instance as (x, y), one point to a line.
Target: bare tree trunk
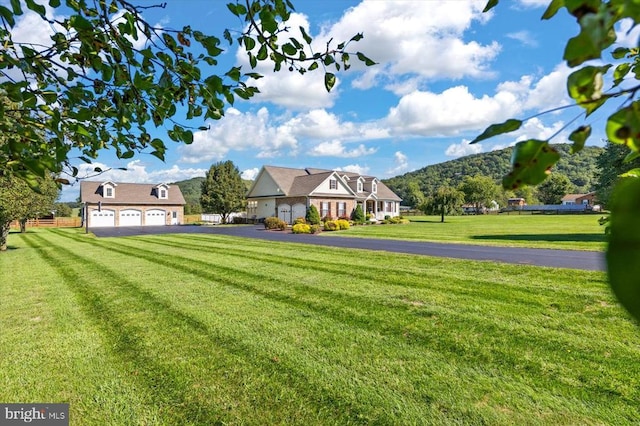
(23, 226)
(4, 233)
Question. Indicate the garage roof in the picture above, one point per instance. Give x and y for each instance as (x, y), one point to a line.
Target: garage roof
(130, 193)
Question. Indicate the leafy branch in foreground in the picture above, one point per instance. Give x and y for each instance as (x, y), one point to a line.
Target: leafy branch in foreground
(108, 77)
(533, 159)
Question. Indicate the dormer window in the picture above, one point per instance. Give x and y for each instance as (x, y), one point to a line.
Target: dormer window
(162, 191)
(109, 190)
(374, 187)
(360, 186)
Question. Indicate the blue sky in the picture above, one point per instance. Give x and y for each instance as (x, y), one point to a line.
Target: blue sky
(446, 71)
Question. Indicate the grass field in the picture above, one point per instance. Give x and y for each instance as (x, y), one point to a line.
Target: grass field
(195, 329)
(568, 232)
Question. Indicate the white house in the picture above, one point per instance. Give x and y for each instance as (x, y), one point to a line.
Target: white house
(287, 193)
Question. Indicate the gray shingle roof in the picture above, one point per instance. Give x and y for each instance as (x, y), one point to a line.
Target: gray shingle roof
(130, 193)
(300, 182)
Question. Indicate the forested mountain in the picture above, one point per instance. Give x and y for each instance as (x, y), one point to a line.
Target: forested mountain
(580, 168)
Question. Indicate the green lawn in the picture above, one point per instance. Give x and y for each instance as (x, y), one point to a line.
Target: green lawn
(204, 329)
(570, 232)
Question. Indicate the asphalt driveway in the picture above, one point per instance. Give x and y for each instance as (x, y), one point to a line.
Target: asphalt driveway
(585, 260)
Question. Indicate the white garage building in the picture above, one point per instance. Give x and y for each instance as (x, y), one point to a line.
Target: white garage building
(109, 204)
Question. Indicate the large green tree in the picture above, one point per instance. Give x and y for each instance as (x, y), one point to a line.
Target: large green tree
(554, 188)
(223, 191)
(611, 164)
(596, 25)
(445, 201)
(479, 191)
(19, 202)
(92, 88)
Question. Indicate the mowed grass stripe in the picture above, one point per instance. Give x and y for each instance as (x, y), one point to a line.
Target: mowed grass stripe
(481, 328)
(380, 353)
(326, 392)
(371, 310)
(245, 351)
(558, 335)
(48, 352)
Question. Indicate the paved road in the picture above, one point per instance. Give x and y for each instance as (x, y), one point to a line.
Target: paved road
(585, 260)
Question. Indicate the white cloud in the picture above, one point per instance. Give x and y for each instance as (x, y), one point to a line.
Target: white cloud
(401, 164)
(536, 129)
(627, 33)
(354, 168)
(250, 174)
(240, 132)
(524, 37)
(335, 148)
(462, 149)
(457, 110)
(448, 113)
(405, 36)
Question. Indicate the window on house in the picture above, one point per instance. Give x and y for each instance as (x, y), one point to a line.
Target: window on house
(163, 193)
(325, 209)
(374, 187)
(333, 184)
(342, 209)
(108, 192)
(360, 188)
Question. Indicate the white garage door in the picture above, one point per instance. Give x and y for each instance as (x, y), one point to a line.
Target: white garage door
(284, 212)
(130, 217)
(298, 210)
(103, 218)
(155, 217)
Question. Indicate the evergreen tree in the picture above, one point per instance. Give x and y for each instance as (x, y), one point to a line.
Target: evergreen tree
(358, 215)
(223, 191)
(313, 216)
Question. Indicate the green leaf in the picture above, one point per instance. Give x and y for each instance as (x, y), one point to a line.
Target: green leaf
(498, 129)
(490, 5)
(54, 3)
(268, 21)
(631, 173)
(620, 52)
(531, 163)
(594, 37)
(552, 9)
(579, 137)
(262, 53)
(313, 66)
(368, 62)
(289, 49)
(585, 87)
(357, 37)
(7, 15)
(623, 250)
(621, 72)
(249, 43)
(329, 81)
(623, 126)
(305, 36)
(38, 8)
(17, 8)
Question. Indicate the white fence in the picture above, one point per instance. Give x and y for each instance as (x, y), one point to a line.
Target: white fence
(216, 218)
